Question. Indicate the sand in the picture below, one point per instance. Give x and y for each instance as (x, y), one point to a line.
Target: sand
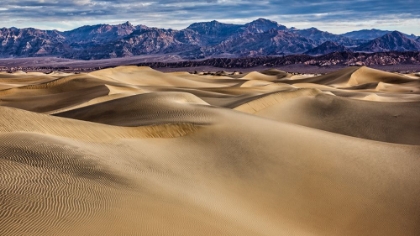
(133, 151)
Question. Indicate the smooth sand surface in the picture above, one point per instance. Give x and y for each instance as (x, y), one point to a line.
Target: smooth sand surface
(133, 151)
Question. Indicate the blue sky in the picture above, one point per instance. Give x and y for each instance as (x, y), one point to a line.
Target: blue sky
(333, 16)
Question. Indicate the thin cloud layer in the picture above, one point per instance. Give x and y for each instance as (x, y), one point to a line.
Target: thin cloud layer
(335, 16)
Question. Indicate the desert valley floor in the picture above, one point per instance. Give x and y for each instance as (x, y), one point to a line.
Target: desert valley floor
(134, 151)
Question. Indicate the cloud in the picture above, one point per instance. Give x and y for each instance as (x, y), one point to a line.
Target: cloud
(180, 13)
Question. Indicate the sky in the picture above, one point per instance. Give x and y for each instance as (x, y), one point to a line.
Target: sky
(332, 16)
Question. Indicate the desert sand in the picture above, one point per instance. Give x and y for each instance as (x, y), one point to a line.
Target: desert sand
(134, 151)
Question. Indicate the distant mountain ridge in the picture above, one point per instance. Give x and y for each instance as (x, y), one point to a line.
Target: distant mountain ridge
(261, 37)
(372, 34)
(394, 41)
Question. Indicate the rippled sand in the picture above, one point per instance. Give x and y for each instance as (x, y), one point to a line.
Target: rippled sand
(134, 151)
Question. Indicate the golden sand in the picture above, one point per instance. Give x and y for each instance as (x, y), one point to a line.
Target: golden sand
(134, 151)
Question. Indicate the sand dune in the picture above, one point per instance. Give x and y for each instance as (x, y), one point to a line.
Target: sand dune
(334, 78)
(150, 108)
(133, 151)
(366, 75)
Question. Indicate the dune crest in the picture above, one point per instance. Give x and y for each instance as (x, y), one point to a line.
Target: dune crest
(366, 75)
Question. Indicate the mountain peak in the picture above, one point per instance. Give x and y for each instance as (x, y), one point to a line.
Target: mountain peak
(313, 29)
(263, 25)
(393, 41)
(396, 33)
(207, 23)
(366, 34)
(127, 24)
(264, 20)
(393, 36)
(214, 28)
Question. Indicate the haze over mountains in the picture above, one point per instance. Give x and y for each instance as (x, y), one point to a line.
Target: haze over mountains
(261, 37)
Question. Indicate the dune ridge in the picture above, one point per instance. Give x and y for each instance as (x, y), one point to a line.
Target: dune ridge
(134, 151)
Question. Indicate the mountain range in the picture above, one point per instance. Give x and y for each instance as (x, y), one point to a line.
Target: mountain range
(260, 37)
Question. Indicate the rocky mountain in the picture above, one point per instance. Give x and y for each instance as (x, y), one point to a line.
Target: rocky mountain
(394, 41)
(140, 42)
(206, 39)
(320, 37)
(212, 33)
(327, 47)
(262, 25)
(366, 34)
(101, 33)
(371, 34)
(212, 39)
(31, 42)
(271, 42)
